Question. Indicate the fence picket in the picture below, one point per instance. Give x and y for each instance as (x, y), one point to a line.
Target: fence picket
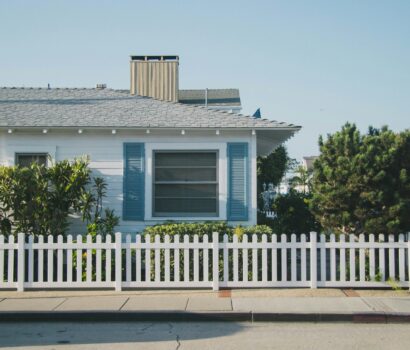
(372, 261)
(352, 258)
(254, 260)
(303, 258)
(128, 258)
(196, 260)
(284, 259)
(293, 260)
(69, 260)
(138, 271)
(167, 262)
(274, 259)
(225, 259)
(108, 260)
(79, 260)
(1, 259)
(40, 270)
(98, 260)
(157, 259)
(342, 240)
(332, 259)
(89, 265)
(30, 259)
(205, 263)
(186, 258)
(362, 259)
(147, 258)
(50, 259)
(382, 271)
(264, 259)
(402, 266)
(392, 267)
(10, 266)
(245, 260)
(60, 258)
(323, 262)
(176, 259)
(235, 260)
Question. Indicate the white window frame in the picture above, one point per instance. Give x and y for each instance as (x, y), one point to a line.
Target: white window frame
(220, 149)
(12, 151)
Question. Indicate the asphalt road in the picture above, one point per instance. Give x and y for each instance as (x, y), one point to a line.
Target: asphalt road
(228, 335)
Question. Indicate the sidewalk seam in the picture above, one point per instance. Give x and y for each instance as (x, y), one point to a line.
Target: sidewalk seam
(126, 301)
(55, 307)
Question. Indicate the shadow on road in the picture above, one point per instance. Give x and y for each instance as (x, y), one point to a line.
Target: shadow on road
(47, 333)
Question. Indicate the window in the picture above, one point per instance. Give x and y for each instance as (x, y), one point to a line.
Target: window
(26, 159)
(185, 183)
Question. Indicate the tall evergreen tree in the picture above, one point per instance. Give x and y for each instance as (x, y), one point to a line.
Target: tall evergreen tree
(361, 183)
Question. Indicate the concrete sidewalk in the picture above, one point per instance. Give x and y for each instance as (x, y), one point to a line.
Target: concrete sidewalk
(236, 305)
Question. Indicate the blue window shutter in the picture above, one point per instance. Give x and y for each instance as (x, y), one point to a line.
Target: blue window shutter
(134, 173)
(238, 181)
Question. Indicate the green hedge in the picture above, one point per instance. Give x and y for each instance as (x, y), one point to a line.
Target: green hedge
(204, 228)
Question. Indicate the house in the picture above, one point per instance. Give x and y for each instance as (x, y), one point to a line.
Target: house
(219, 99)
(162, 160)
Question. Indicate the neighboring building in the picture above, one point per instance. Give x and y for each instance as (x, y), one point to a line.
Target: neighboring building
(308, 162)
(284, 186)
(161, 160)
(220, 99)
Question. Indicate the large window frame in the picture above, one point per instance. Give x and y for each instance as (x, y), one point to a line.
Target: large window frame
(33, 155)
(157, 214)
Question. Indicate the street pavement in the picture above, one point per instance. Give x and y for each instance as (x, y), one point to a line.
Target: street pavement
(206, 335)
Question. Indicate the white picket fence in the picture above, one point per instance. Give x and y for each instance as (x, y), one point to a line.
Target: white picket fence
(194, 262)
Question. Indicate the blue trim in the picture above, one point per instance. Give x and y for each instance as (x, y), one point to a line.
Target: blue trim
(238, 198)
(133, 182)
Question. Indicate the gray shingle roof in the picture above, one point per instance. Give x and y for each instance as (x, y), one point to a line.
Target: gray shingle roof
(38, 107)
(216, 97)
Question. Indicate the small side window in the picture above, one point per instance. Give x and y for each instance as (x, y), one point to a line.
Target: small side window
(26, 159)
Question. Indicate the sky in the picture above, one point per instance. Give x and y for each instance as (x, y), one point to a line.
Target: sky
(317, 64)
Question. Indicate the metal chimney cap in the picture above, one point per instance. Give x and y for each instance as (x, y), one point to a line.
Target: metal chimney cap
(155, 58)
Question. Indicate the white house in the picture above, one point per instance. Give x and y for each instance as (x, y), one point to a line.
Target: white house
(161, 160)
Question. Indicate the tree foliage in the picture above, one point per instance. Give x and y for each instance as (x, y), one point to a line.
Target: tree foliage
(361, 182)
(293, 214)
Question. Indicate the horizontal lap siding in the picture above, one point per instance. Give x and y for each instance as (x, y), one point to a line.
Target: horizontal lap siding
(106, 160)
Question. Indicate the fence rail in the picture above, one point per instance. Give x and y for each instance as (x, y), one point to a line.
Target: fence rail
(204, 262)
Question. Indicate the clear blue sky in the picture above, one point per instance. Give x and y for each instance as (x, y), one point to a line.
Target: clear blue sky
(313, 63)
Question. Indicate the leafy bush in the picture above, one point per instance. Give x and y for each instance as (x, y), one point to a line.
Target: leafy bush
(204, 228)
(201, 229)
(38, 199)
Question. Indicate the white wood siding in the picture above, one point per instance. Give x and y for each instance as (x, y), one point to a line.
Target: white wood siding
(105, 151)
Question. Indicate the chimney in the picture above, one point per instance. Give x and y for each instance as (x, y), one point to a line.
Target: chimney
(155, 76)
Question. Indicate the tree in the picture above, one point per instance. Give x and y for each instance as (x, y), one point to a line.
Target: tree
(302, 180)
(293, 214)
(272, 168)
(361, 183)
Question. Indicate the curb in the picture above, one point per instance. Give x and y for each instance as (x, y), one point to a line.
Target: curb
(183, 316)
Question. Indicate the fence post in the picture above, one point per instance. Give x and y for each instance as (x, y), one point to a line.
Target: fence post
(20, 262)
(215, 261)
(118, 262)
(313, 260)
(408, 255)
